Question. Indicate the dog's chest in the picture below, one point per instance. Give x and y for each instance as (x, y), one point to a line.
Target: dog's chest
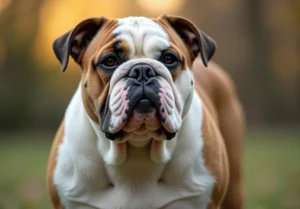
(140, 183)
(138, 169)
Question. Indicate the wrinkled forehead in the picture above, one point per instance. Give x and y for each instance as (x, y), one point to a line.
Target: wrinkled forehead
(144, 36)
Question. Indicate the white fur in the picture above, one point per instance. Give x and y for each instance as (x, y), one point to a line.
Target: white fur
(185, 89)
(94, 172)
(145, 37)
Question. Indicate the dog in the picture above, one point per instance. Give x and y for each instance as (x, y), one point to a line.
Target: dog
(152, 125)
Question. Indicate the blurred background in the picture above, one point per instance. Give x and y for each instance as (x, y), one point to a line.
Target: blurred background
(258, 45)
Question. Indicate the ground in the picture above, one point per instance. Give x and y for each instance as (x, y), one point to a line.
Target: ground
(272, 170)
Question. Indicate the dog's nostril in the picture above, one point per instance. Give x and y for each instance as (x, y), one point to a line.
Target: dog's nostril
(142, 72)
(149, 72)
(136, 73)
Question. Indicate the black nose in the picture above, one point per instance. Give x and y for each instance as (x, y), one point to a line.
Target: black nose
(142, 72)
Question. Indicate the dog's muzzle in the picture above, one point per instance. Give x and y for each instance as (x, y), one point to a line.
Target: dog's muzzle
(140, 103)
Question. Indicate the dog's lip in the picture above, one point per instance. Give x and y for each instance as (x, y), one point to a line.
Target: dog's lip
(113, 136)
(146, 93)
(142, 100)
(120, 134)
(144, 106)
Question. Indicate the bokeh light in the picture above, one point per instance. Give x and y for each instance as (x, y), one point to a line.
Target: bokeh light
(161, 6)
(58, 17)
(4, 4)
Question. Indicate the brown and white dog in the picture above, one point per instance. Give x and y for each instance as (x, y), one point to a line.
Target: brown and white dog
(149, 126)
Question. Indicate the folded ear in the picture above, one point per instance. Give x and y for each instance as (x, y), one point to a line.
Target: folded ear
(75, 42)
(195, 40)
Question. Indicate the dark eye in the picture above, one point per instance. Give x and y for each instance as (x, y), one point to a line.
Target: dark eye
(110, 61)
(169, 59)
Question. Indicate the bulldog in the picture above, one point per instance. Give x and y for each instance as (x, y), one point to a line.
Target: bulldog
(152, 125)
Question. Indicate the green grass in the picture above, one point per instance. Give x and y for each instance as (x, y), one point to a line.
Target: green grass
(272, 170)
(23, 160)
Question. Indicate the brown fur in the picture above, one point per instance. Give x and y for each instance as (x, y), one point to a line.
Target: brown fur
(94, 94)
(223, 123)
(51, 167)
(178, 46)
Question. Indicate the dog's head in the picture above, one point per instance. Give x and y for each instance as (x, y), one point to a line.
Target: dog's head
(136, 72)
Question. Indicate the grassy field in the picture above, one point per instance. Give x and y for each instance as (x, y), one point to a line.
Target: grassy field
(272, 170)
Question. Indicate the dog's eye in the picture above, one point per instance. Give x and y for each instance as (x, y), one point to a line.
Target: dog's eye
(169, 59)
(110, 61)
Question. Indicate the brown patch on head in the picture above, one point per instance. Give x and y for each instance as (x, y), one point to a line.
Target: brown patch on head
(190, 41)
(176, 44)
(75, 42)
(95, 94)
(182, 55)
(85, 44)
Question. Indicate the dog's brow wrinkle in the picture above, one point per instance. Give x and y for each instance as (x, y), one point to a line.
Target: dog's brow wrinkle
(145, 36)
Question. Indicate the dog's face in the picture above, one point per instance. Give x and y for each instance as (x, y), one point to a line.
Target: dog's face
(136, 77)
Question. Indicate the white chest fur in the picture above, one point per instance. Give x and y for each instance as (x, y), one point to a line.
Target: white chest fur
(85, 181)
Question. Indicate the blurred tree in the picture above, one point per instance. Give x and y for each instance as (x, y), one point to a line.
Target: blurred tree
(18, 25)
(284, 60)
(259, 74)
(275, 61)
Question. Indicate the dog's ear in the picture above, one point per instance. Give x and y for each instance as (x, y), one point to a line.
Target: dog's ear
(75, 42)
(195, 40)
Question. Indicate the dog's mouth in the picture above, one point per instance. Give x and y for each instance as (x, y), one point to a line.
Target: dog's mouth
(143, 119)
(141, 110)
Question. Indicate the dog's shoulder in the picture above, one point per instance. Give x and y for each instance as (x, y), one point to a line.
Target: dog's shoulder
(53, 195)
(221, 108)
(214, 86)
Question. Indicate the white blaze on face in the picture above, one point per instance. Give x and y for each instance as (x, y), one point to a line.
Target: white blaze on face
(145, 37)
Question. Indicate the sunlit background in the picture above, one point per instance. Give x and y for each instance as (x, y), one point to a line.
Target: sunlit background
(258, 45)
